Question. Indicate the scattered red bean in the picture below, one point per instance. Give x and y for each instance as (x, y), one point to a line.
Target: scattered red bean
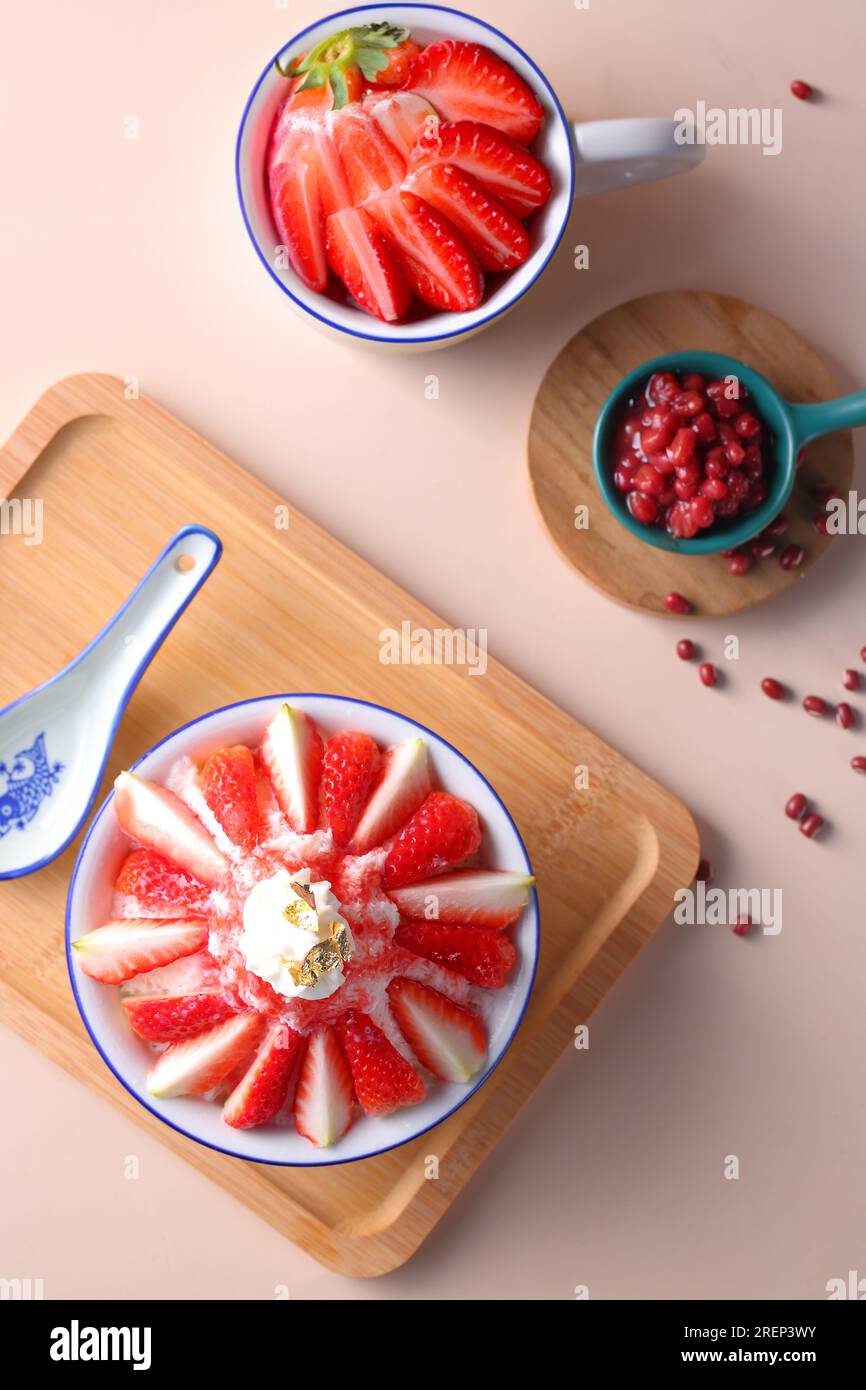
(813, 704)
(706, 873)
(675, 603)
(859, 763)
(686, 649)
(739, 563)
(811, 825)
(742, 925)
(709, 674)
(777, 527)
(844, 715)
(795, 806)
(773, 689)
(863, 653)
(791, 557)
(801, 90)
(850, 679)
(762, 550)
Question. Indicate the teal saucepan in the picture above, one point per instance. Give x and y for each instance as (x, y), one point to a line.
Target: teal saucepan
(789, 426)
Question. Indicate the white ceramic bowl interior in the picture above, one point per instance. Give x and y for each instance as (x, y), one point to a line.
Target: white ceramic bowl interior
(90, 899)
(553, 147)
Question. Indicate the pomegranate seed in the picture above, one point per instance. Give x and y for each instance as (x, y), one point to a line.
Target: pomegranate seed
(777, 527)
(693, 381)
(795, 806)
(686, 649)
(747, 426)
(734, 453)
(859, 763)
(706, 873)
(688, 403)
(762, 550)
(675, 603)
(813, 704)
(801, 90)
(649, 480)
(811, 825)
(791, 557)
(844, 715)
(742, 925)
(773, 689)
(850, 679)
(739, 563)
(643, 509)
(709, 674)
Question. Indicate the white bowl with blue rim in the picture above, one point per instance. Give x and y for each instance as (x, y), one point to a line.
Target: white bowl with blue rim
(89, 905)
(585, 157)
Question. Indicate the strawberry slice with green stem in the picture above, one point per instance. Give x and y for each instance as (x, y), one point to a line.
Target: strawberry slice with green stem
(503, 166)
(377, 51)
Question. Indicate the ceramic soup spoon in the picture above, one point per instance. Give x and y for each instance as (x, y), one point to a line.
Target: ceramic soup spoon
(790, 427)
(54, 742)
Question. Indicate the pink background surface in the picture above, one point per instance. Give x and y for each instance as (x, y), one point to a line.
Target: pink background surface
(130, 257)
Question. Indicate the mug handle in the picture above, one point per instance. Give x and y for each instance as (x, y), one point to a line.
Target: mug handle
(613, 154)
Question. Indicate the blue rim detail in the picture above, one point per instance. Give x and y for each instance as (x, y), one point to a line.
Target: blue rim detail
(130, 687)
(292, 1163)
(433, 337)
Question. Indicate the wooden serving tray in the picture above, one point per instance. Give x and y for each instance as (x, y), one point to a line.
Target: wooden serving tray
(575, 387)
(117, 478)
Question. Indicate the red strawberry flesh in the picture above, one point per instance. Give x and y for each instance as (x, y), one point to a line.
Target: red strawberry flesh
(382, 1077)
(466, 81)
(443, 832)
(483, 957)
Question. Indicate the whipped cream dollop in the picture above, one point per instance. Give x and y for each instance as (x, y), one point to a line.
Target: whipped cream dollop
(294, 937)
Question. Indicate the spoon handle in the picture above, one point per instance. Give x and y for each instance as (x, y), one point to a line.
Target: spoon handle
(811, 421)
(120, 654)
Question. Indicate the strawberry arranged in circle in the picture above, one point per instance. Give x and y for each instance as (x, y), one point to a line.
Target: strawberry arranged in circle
(261, 1093)
(446, 1039)
(166, 1018)
(199, 1063)
(292, 754)
(158, 882)
(403, 171)
(483, 957)
(325, 1096)
(382, 1077)
(349, 767)
(491, 898)
(128, 946)
(443, 832)
(228, 781)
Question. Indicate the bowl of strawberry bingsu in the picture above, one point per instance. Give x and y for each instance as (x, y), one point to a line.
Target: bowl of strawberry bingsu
(302, 929)
(405, 172)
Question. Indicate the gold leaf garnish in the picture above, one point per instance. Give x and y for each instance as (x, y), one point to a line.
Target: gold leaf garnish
(299, 915)
(305, 893)
(343, 940)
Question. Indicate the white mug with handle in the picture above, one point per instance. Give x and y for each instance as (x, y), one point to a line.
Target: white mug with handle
(588, 157)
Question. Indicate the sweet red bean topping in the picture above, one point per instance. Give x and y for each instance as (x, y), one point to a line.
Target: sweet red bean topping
(811, 825)
(795, 806)
(813, 704)
(772, 688)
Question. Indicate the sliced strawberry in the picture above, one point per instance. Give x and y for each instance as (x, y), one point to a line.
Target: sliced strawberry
(325, 1096)
(439, 265)
(261, 1093)
(292, 753)
(465, 81)
(372, 165)
(509, 171)
(404, 781)
(296, 199)
(339, 63)
(496, 235)
(490, 898)
(165, 1018)
(228, 782)
(383, 1078)
(125, 947)
(367, 264)
(350, 763)
(159, 820)
(399, 61)
(443, 832)
(482, 957)
(401, 117)
(447, 1040)
(156, 882)
(199, 1063)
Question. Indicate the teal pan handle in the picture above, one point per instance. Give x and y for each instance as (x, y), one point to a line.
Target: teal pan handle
(811, 421)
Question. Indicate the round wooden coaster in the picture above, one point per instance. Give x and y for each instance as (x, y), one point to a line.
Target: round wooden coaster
(573, 390)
